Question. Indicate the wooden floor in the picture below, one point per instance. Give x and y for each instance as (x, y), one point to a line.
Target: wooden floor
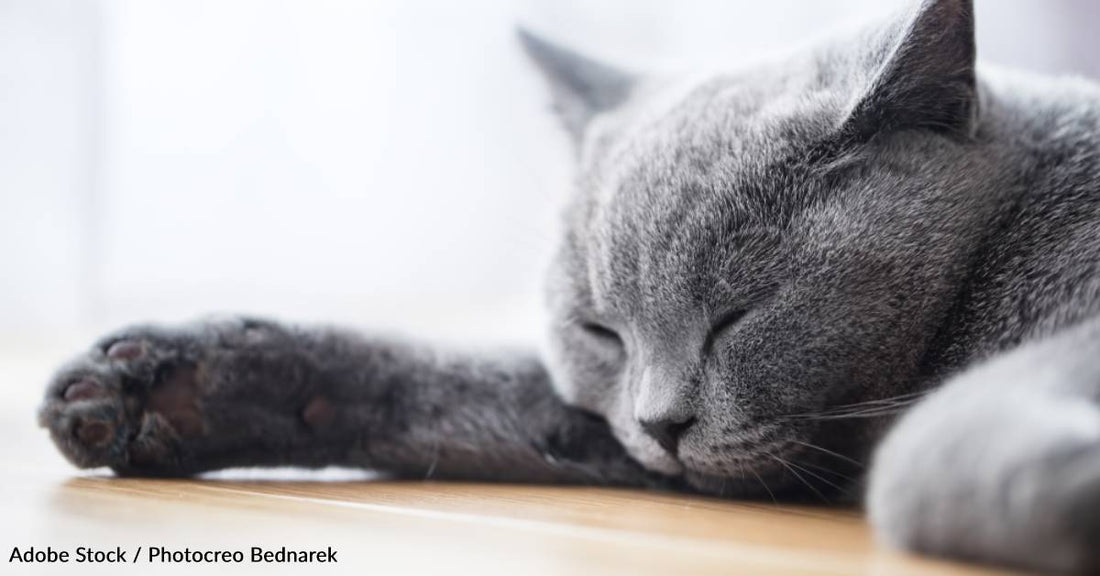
(404, 528)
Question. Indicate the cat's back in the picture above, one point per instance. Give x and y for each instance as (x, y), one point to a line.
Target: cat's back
(1035, 115)
(1039, 270)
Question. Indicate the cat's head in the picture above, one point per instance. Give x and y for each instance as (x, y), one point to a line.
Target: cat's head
(748, 250)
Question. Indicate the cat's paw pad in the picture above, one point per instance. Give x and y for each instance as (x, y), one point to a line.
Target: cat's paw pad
(128, 403)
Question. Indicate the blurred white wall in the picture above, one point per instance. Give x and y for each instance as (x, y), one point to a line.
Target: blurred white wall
(382, 163)
(48, 102)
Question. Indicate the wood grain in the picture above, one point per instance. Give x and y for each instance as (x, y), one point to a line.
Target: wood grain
(382, 527)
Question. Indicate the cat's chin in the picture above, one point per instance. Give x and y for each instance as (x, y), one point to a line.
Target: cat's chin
(736, 485)
(662, 464)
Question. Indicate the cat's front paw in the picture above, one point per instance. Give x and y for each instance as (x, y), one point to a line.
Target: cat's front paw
(1006, 480)
(130, 403)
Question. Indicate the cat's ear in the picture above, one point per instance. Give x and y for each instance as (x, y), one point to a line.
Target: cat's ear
(920, 74)
(581, 87)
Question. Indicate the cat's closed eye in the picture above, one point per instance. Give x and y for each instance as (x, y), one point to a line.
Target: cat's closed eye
(602, 333)
(722, 325)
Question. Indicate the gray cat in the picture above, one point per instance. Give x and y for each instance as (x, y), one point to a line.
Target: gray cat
(761, 269)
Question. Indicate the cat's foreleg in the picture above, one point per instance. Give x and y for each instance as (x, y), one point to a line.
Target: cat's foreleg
(181, 400)
(1003, 463)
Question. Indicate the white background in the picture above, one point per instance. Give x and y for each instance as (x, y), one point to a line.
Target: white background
(381, 163)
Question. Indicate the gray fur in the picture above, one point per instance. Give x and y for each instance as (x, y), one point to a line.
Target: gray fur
(390, 405)
(760, 269)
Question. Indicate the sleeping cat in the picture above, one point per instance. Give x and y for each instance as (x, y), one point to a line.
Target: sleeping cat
(761, 270)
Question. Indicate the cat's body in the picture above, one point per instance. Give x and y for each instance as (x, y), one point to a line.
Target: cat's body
(1037, 270)
(760, 269)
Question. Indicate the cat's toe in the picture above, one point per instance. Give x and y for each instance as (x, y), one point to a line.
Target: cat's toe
(87, 418)
(125, 350)
(126, 404)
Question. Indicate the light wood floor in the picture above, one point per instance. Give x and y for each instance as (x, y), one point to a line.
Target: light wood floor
(405, 528)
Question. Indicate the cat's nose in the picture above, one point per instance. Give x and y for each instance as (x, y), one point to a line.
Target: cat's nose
(668, 431)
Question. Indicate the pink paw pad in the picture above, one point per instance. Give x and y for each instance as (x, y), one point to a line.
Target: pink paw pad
(318, 412)
(124, 350)
(83, 389)
(94, 433)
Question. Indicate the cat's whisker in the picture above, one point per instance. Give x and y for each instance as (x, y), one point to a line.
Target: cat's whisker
(799, 477)
(802, 467)
(891, 399)
(762, 483)
(827, 470)
(887, 403)
(873, 412)
(893, 403)
(829, 452)
(881, 410)
(858, 415)
(435, 461)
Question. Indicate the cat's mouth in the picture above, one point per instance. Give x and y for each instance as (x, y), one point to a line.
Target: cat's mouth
(787, 468)
(734, 474)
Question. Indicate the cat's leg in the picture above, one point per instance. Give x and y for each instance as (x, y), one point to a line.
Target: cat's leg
(181, 400)
(1002, 464)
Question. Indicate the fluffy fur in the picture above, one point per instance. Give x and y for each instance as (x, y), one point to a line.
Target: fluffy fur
(761, 269)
